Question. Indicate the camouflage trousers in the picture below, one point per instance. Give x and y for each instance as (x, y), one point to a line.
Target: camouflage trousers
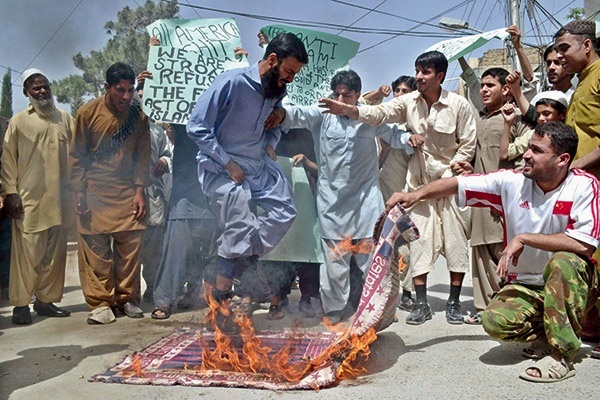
(523, 313)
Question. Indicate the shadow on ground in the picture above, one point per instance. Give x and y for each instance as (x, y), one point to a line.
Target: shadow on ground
(43, 363)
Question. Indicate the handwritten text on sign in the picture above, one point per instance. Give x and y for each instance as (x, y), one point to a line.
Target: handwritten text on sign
(213, 38)
(326, 54)
(178, 78)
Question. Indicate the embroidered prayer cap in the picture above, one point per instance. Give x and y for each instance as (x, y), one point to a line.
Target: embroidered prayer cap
(30, 72)
(581, 27)
(555, 95)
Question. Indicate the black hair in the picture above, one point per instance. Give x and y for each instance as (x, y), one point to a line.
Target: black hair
(499, 73)
(582, 29)
(563, 138)
(119, 71)
(433, 59)
(557, 105)
(409, 81)
(348, 78)
(287, 45)
(549, 50)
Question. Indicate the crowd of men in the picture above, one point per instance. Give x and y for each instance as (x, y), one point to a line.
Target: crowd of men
(515, 180)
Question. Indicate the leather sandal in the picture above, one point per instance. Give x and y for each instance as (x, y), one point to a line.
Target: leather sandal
(275, 312)
(550, 371)
(162, 312)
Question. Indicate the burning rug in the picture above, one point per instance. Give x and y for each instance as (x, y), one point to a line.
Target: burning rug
(278, 360)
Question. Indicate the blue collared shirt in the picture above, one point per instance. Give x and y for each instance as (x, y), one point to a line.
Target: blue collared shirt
(228, 120)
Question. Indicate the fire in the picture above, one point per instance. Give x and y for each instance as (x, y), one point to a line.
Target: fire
(346, 246)
(227, 353)
(401, 264)
(342, 327)
(350, 351)
(351, 367)
(136, 367)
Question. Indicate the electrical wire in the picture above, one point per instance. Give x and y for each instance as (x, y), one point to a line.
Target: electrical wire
(363, 16)
(326, 25)
(51, 37)
(416, 26)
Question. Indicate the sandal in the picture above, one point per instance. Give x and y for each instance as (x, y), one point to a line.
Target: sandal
(550, 371)
(162, 312)
(596, 352)
(473, 319)
(275, 312)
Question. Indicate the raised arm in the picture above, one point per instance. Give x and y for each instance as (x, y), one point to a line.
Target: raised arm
(373, 97)
(515, 38)
(473, 84)
(508, 113)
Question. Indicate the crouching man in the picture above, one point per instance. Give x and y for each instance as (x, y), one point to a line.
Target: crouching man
(552, 228)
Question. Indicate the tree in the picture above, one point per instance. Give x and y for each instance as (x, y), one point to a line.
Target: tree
(128, 43)
(576, 13)
(6, 109)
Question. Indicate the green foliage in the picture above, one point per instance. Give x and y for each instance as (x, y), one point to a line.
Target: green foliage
(128, 42)
(71, 90)
(576, 13)
(6, 109)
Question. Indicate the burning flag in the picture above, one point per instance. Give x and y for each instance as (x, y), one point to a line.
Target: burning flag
(278, 361)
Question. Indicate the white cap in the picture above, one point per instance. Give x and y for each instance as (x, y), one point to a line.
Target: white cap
(30, 72)
(555, 95)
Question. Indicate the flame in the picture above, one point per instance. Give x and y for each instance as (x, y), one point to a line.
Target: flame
(351, 367)
(253, 357)
(136, 367)
(350, 351)
(341, 327)
(345, 246)
(401, 264)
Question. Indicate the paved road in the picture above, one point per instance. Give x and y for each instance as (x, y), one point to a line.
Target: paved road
(53, 358)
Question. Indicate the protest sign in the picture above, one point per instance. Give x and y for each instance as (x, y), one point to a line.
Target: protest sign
(453, 49)
(178, 78)
(213, 38)
(326, 54)
(302, 242)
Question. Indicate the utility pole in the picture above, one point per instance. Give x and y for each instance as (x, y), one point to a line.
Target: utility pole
(514, 7)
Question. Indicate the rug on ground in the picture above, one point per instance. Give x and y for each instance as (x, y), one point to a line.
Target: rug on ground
(177, 358)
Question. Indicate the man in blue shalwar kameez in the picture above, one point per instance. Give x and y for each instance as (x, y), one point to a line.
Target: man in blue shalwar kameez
(236, 163)
(348, 197)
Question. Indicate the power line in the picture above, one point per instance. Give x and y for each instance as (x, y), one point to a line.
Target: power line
(51, 37)
(363, 16)
(426, 23)
(416, 26)
(195, 11)
(11, 69)
(326, 25)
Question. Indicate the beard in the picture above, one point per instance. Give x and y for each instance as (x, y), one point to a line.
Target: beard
(44, 108)
(269, 83)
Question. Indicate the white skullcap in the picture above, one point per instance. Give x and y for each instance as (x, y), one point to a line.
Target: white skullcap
(555, 95)
(30, 72)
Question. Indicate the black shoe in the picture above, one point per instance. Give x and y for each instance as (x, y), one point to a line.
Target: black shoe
(454, 314)
(226, 324)
(420, 313)
(221, 296)
(406, 303)
(132, 310)
(284, 301)
(21, 315)
(50, 310)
